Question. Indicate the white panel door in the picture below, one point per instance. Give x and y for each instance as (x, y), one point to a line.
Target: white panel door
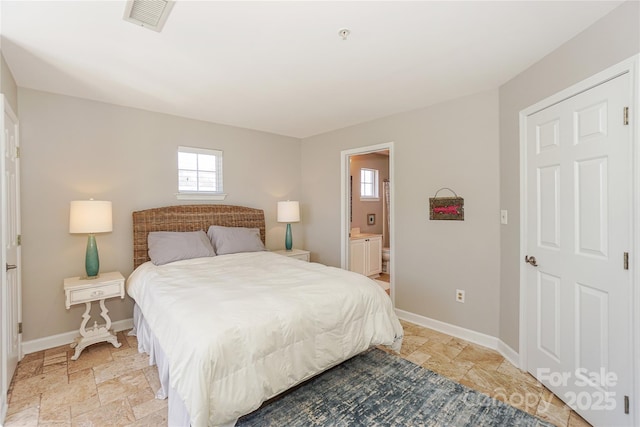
(578, 171)
(10, 304)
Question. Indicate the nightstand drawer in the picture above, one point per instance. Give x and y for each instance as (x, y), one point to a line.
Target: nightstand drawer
(93, 293)
(303, 257)
(300, 254)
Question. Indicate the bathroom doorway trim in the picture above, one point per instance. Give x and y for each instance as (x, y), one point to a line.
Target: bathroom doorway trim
(345, 224)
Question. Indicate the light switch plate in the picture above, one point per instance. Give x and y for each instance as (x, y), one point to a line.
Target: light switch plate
(504, 217)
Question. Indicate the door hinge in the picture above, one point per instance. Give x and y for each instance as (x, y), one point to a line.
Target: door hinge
(625, 116)
(626, 404)
(20, 327)
(625, 261)
(18, 152)
(19, 240)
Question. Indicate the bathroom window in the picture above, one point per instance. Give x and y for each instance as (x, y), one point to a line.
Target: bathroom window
(369, 184)
(199, 174)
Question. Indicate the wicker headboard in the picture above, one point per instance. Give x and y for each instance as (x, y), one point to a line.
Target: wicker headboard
(189, 218)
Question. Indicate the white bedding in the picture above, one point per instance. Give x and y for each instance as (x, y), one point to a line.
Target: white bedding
(238, 329)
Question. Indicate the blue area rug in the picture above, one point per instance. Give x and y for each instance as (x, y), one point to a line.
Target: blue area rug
(380, 389)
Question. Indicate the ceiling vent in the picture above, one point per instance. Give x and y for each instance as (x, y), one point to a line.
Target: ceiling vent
(151, 14)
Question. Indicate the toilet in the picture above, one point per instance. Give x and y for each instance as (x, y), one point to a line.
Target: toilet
(386, 263)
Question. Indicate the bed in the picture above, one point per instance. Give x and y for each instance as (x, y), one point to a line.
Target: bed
(229, 332)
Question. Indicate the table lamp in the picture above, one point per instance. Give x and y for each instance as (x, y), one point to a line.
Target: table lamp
(288, 212)
(90, 217)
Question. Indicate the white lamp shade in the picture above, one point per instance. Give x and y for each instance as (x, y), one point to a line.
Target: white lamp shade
(90, 216)
(288, 211)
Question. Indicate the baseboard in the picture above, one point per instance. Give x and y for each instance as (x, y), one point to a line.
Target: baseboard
(463, 333)
(66, 338)
(508, 353)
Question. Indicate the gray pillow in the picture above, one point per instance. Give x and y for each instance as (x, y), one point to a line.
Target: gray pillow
(231, 240)
(169, 246)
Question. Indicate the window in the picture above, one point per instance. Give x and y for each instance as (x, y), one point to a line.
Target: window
(368, 184)
(200, 174)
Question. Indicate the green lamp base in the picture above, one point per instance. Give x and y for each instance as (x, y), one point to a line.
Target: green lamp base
(288, 239)
(91, 261)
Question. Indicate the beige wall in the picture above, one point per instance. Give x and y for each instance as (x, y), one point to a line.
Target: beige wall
(432, 150)
(75, 149)
(8, 85)
(362, 208)
(612, 39)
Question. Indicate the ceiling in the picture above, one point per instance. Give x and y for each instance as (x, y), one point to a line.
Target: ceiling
(281, 67)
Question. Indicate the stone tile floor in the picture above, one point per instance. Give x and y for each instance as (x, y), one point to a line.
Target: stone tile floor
(486, 371)
(110, 386)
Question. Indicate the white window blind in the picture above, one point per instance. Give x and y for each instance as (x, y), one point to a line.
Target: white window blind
(368, 183)
(199, 173)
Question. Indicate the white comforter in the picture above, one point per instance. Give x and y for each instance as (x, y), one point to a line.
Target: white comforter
(241, 328)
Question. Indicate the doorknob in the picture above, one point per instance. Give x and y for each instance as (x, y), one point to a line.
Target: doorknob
(531, 260)
(10, 267)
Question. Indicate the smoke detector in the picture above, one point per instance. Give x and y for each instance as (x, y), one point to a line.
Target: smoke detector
(344, 33)
(151, 14)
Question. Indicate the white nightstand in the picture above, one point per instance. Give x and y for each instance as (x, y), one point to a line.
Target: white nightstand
(300, 254)
(78, 291)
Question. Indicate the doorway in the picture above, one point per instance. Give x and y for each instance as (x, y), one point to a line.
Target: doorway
(367, 208)
(577, 332)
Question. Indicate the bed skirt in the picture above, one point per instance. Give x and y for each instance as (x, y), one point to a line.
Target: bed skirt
(147, 343)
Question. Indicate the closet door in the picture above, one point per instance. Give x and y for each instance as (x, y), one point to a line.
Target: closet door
(10, 295)
(578, 229)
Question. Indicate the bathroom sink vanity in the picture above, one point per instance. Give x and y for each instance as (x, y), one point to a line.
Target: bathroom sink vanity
(365, 254)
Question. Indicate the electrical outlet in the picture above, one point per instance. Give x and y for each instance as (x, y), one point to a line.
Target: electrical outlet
(459, 295)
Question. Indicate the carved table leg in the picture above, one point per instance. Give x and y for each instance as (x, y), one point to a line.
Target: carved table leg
(79, 344)
(112, 338)
(95, 334)
(85, 319)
